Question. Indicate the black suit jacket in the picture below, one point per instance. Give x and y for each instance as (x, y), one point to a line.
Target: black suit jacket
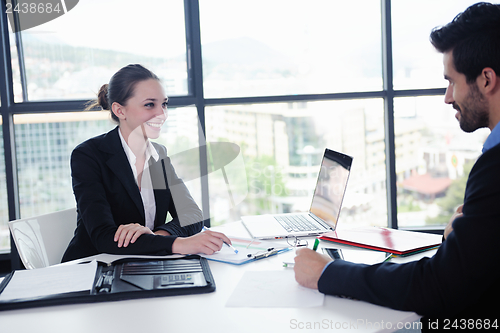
(461, 281)
(107, 196)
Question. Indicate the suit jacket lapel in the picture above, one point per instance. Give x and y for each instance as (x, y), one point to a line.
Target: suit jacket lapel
(120, 166)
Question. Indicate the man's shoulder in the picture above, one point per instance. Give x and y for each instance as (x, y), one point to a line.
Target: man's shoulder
(493, 139)
(492, 155)
(486, 167)
(495, 147)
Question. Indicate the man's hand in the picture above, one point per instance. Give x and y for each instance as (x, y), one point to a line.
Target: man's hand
(308, 267)
(128, 233)
(449, 227)
(207, 242)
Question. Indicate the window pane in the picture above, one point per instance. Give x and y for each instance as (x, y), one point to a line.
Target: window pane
(417, 64)
(4, 209)
(282, 145)
(283, 47)
(433, 160)
(71, 56)
(16, 75)
(44, 143)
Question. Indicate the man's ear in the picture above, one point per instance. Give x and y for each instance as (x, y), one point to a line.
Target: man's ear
(117, 109)
(488, 80)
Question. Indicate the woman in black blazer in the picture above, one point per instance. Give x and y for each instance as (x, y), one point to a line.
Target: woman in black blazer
(125, 185)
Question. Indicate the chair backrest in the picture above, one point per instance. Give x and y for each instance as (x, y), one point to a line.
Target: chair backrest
(42, 240)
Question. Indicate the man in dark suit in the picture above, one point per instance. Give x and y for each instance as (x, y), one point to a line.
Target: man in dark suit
(459, 286)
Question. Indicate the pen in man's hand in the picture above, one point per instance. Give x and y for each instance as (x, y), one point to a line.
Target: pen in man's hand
(230, 246)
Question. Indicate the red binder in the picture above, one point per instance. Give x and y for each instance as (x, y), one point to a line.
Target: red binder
(399, 242)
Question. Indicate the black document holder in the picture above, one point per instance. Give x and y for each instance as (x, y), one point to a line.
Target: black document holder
(131, 278)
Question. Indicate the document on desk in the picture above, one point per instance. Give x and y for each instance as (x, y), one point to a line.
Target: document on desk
(273, 289)
(248, 250)
(53, 280)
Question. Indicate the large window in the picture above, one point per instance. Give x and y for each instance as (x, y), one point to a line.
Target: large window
(417, 64)
(433, 155)
(72, 56)
(44, 143)
(282, 145)
(282, 80)
(433, 160)
(285, 47)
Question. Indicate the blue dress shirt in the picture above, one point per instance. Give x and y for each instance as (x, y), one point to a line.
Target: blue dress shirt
(493, 139)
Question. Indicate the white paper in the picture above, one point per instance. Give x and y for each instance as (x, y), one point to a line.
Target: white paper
(273, 289)
(50, 281)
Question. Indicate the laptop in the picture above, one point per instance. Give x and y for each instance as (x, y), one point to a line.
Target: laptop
(325, 206)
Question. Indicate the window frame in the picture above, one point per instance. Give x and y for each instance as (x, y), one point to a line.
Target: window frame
(196, 97)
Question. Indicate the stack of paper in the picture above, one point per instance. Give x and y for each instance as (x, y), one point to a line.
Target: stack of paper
(53, 280)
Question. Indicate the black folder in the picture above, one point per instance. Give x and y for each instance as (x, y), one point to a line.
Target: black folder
(130, 278)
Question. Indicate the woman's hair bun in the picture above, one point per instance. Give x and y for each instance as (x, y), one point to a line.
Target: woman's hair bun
(120, 88)
(102, 97)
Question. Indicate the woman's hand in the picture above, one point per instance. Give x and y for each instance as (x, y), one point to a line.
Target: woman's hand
(207, 242)
(128, 233)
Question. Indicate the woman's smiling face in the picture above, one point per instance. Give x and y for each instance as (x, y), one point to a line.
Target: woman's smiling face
(145, 112)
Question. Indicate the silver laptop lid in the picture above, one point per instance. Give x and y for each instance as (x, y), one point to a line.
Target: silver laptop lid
(331, 186)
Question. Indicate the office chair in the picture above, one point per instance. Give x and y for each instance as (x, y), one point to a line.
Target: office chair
(42, 240)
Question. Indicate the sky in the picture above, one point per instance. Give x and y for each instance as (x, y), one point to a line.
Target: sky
(121, 25)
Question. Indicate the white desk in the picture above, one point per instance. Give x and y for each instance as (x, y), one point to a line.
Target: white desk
(207, 312)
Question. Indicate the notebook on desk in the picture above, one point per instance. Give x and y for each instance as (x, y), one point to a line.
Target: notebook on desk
(325, 207)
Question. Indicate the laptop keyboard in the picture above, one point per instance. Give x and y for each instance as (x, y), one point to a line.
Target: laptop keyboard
(296, 223)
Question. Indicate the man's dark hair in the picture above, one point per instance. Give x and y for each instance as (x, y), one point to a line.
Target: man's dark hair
(474, 38)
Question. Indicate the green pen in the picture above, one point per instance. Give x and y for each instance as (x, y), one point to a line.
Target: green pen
(316, 243)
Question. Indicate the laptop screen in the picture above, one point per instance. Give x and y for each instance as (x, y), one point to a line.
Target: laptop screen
(331, 185)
